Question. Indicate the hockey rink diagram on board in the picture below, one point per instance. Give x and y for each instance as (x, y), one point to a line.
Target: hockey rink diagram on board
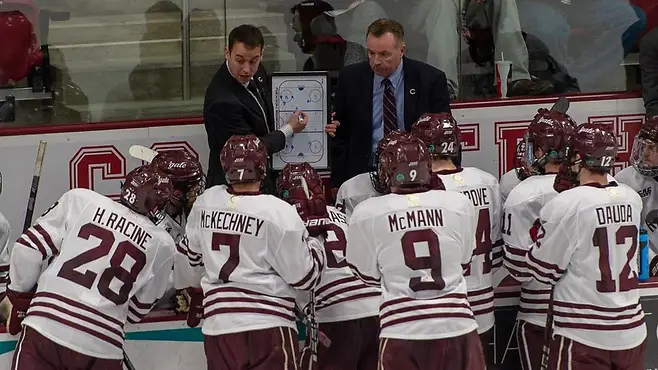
(306, 92)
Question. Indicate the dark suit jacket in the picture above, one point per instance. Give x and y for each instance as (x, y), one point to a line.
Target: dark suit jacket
(351, 148)
(230, 110)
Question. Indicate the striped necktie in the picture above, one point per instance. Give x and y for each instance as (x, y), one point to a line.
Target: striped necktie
(390, 115)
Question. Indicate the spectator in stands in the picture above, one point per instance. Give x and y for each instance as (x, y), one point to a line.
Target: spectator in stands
(606, 24)
(649, 71)
(238, 102)
(389, 92)
(316, 34)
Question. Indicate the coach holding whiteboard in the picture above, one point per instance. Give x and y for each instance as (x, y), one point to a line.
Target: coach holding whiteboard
(238, 101)
(388, 92)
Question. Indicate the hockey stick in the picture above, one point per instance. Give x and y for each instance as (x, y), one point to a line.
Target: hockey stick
(142, 152)
(561, 105)
(29, 212)
(127, 362)
(311, 315)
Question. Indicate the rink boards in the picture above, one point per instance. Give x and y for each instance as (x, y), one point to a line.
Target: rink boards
(96, 156)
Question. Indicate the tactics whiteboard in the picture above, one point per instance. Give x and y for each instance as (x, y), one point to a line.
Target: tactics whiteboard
(308, 92)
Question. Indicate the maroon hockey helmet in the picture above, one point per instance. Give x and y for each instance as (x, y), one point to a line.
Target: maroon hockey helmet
(405, 166)
(644, 154)
(146, 190)
(244, 159)
(549, 132)
(439, 132)
(391, 138)
(186, 175)
(596, 146)
(291, 177)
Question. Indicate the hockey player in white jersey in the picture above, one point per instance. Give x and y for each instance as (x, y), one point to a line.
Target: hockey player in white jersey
(344, 306)
(365, 185)
(544, 150)
(416, 243)
(440, 133)
(188, 180)
(111, 264)
(249, 253)
(641, 177)
(586, 246)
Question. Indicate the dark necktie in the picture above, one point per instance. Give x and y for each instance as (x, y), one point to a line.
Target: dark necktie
(251, 86)
(390, 115)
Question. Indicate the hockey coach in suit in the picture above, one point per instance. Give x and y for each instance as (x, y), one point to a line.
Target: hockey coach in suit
(388, 92)
(238, 101)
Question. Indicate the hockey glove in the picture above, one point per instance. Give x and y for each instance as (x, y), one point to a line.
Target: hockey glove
(565, 179)
(313, 211)
(195, 313)
(13, 309)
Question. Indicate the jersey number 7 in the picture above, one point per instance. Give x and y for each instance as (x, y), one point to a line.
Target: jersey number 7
(114, 271)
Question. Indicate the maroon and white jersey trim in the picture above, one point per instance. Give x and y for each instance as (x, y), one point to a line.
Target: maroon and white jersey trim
(481, 301)
(597, 318)
(313, 277)
(369, 280)
(78, 316)
(343, 290)
(229, 300)
(514, 260)
(37, 238)
(533, 305)
(402, 310)
(137, 310)
(544, 272)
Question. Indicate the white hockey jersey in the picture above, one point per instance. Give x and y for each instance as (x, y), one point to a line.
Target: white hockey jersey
(5, 235)
(111, 265)
(354, 191)
(341, 296)
(176, 229)
(249, 253)
(587, 247)
(483, 191)
(507, 182)
(417, 247)
(647, 188)
(520, 211)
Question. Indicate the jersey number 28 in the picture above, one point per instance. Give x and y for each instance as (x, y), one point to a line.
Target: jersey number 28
(114, 271)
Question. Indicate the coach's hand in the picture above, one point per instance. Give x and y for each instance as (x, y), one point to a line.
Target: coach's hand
(330, 128)
(298, 121)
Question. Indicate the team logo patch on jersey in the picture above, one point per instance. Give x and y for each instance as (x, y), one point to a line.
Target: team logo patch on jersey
(458, 179)
(413, 200)
(537, 232)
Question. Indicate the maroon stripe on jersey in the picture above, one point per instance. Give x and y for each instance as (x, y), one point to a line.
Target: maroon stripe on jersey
(598, 327)
(262, 311)
(554, 271)
(483, 311)
(78, 305)
(136, 316)
(140, 305)
(407, 300)
(230, 289)
(4, 268)
(515, 251)
(535, 291)
(539, 311)
(354, 297)
(582, 306)
(474, 293)
(79, 327)
(21, 240)
(35, 241)
(245, 300)
(325, 301)
(304, 284)
(322, 289)
(479, 302)
(438, 315)
(596, 317)
(36, 305)
(422, 306)
(365, 278)
(47, 238)
(465, 266)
